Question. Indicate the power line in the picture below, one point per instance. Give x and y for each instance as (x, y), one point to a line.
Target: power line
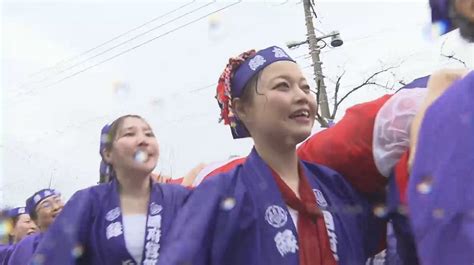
(121, 43)
(70, 126)
(304, 55)
(141, 44)
(110, 40)
(202, 88)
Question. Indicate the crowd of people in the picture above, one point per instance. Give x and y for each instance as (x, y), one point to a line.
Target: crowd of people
(390, 183)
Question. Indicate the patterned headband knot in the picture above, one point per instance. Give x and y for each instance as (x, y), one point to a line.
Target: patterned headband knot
(224, 92)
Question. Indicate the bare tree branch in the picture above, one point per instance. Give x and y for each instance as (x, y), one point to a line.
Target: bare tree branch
(442, 45)
(336, 92)
(367, 81)
(386, 86)
(451, 56)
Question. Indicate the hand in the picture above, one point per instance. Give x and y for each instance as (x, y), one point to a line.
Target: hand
(438, 83)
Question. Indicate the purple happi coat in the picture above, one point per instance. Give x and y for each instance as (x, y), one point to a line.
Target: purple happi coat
(23, 250)
(6, 253)
(90, 230)
(441, 190)
(240, 217)
(4, 249)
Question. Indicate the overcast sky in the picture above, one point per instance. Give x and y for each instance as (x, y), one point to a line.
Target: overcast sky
(57, 93)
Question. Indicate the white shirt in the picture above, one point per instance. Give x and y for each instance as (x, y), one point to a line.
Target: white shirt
(134, 234)
(294, 217)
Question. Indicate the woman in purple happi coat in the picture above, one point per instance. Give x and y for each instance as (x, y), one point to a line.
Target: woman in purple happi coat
(43, 207)
(21, 226)
(125, 220)
(273, 208)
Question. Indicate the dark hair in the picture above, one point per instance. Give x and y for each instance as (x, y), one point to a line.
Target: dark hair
(14, 220)
(112, 134)
(247, 94)
(466, 27)
(34, 215)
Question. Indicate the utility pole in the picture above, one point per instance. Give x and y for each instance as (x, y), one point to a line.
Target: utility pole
(314, 51)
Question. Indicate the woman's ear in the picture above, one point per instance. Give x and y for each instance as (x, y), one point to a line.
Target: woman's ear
(239, 109)
(106, 154)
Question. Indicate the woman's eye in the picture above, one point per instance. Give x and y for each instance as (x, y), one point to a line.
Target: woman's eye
(282, 86)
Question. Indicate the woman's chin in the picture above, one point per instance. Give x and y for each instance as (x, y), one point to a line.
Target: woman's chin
(301, 136)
